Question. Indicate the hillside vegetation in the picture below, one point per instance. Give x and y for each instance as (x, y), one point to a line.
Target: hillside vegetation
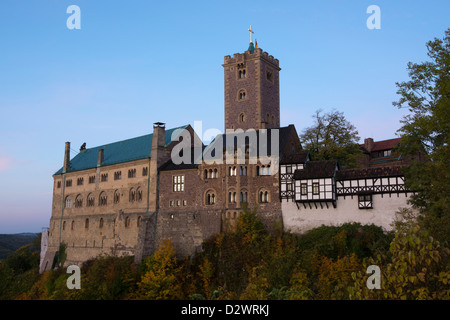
(249, 263)
(11, 242)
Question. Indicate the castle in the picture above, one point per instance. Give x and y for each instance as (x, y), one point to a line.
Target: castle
(126, 197)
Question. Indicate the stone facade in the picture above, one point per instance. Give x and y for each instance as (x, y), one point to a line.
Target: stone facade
(125, 198)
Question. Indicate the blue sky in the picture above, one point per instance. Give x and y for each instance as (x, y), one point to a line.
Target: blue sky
(133, 63)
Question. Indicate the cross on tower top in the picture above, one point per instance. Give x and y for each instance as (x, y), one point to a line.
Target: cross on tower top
(251, 33)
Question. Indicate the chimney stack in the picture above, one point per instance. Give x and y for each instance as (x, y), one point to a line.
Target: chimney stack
(159, 135)
(101, 156)
(66, 165)
(368, 144)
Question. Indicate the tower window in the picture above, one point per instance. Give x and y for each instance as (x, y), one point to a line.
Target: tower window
(242, 94)
(241, 71)
(269, 76)
(242, 117)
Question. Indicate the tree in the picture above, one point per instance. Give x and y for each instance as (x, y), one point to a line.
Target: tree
(161, 281)
(426, 127)
(416, 268)
(332, 137)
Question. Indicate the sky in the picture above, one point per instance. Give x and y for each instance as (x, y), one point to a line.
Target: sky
(133, 63)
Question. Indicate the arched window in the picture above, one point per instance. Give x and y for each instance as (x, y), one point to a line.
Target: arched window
(132, 196)
(86, 224)
(242, 94)
(116, 196)
(90, 200)
(139, 194)
(210, 198)
(263, 196)
(242, 117)
(139, 219)
(100, 224)
(102, 199)
(215, 174)
(127, 222)
(232, 197)
(64, 225)
(72, 225)
(78, 201)
(243, 196)
(68, 202)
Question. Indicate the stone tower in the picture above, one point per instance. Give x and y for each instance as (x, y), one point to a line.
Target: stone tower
(252, 90)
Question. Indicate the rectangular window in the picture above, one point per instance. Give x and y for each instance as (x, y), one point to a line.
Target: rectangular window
(178, 183)
(288, 169)
(58, 184)
(365, 201)
(315, 188)
(69, 183)
(304, 189)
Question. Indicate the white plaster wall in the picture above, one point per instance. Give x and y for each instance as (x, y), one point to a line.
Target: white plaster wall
(299, 220)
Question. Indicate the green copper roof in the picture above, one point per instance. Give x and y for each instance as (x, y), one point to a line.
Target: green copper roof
(117, 152)
(251, 47)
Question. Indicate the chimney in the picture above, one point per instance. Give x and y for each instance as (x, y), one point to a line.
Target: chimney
(159, 135)
(368, 144)
(100, 158)
(66, 165)
(158, 155)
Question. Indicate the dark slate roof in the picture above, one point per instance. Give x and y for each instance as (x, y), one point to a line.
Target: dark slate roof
(169, 165)
(117, 152)
(356, 173)
(283, 135)
(300, 157)
(317, 169)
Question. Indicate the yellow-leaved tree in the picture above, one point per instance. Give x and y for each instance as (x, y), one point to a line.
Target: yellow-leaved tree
(161, 281)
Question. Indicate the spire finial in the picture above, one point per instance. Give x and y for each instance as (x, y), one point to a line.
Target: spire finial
(251, 34)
